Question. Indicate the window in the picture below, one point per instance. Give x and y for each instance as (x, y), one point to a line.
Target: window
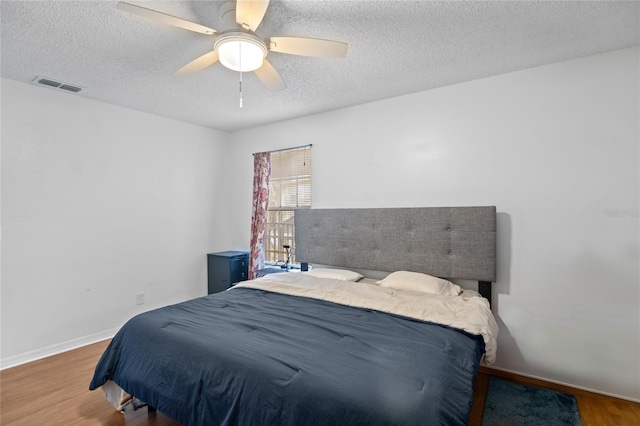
(289, 189)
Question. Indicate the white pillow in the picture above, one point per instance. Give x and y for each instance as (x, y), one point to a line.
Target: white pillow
(415, 281)
(336, 274)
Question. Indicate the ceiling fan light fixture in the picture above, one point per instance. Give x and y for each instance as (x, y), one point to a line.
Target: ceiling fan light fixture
(241, 52)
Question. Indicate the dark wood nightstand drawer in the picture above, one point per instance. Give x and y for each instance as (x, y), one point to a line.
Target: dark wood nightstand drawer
(226, 268)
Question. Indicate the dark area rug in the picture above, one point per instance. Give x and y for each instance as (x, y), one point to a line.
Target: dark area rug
(513, 404)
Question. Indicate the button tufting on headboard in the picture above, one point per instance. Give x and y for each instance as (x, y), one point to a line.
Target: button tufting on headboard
(388, 239)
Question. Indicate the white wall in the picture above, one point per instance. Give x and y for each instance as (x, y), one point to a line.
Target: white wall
(554, 148)
(99, 203)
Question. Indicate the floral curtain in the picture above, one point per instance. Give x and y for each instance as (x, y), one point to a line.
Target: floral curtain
(261, 173)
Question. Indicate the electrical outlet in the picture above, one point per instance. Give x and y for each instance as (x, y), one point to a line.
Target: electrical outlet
(140, 299)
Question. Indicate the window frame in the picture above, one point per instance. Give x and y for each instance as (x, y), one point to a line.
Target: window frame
(281, 231)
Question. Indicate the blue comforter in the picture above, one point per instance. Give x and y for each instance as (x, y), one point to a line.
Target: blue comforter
(251, 357)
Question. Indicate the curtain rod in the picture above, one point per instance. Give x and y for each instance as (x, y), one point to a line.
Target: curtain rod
(287, 149)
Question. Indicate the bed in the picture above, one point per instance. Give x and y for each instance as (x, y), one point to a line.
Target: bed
(327, 347)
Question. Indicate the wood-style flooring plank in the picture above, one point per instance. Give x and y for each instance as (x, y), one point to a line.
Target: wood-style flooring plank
(55, 391)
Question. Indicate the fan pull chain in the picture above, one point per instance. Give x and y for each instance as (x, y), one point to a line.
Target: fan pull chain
(240, 89)
(240, 63)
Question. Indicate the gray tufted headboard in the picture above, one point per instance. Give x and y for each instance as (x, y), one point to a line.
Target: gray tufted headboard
(448, 242)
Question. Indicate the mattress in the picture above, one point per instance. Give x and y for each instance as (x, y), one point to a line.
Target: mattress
(281, 351)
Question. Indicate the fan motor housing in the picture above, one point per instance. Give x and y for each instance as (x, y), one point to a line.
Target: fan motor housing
(227, 14)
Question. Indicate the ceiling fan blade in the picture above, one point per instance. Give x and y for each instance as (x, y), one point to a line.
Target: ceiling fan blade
(250, 13)
(269, 76)
(198, 64)
(308, 47)
(156, 16)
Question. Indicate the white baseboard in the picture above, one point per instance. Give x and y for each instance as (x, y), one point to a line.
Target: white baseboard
(58, 348)
(544, 379)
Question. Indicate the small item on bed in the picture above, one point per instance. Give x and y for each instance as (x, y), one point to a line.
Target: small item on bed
(415, 281)
(336, 274)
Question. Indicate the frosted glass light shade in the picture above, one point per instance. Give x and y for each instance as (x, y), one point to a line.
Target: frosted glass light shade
(241, 54)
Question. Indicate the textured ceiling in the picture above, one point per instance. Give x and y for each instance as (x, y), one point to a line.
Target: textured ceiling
(395, 48)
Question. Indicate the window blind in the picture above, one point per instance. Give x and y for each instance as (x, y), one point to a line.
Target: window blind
(290, 181)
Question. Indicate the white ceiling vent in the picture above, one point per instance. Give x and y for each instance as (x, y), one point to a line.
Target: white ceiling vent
(57, 84)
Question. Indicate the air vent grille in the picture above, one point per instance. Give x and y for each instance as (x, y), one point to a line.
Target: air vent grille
(48, 82)
(70, 88)
(57, 84)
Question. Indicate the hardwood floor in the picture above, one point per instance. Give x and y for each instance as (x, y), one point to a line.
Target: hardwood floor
(55, 391)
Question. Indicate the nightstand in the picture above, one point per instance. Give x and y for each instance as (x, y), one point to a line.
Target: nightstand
(226, 269)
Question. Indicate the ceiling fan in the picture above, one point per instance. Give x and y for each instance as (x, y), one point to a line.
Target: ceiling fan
(238, 47)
